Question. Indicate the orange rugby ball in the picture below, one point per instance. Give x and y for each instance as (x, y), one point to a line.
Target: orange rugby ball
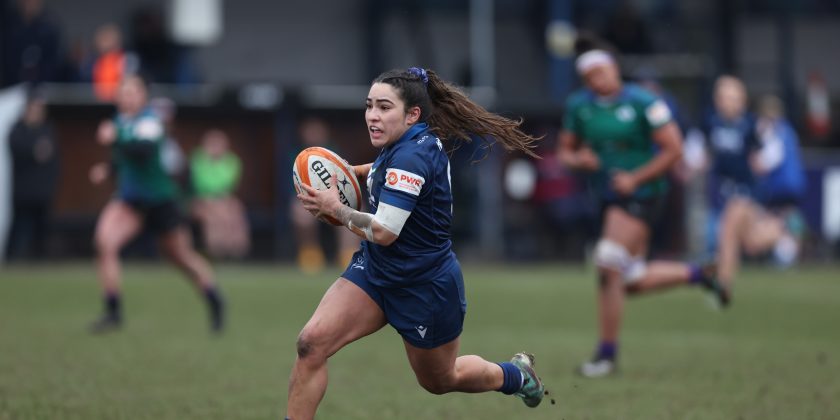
(314, 166)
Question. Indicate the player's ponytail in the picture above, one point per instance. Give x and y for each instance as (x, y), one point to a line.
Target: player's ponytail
(451, 115)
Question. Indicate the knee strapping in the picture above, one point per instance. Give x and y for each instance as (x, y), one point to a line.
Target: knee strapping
(614, 256)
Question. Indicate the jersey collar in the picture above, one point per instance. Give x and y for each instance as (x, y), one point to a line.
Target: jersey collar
(412, 132)
(612, 100)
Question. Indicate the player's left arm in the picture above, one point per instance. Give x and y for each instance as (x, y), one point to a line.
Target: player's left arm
(669, 140)
(362, 171)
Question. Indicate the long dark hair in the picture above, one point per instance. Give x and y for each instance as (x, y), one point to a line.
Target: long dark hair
(451, 115)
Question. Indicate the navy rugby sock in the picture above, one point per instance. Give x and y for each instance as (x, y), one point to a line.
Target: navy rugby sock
(216, 305)
(113, 307)
(606, 351)
(512, 378)
(696, 274)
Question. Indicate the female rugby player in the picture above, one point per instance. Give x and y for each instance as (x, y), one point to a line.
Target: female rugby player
(405, 273)
(626, 138)
(146, 197)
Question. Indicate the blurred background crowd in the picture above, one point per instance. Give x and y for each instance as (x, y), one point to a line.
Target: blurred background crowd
(243, 86)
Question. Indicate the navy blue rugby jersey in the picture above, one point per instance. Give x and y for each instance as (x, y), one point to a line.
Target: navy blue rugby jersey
(412, 174)
(731, 143)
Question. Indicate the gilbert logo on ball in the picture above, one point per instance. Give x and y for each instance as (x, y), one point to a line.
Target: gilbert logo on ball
(314, 166)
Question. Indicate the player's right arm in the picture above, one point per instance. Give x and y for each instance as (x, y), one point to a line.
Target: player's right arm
(575, 155)
(99, 172)
(106, 134)
(570, 148)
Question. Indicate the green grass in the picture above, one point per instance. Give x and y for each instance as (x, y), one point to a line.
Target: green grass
(772, 356)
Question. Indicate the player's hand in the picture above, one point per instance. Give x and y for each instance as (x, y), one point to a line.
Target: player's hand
(624, 183)
(99, 173)
(587, 160)
(106, 133)
(320, 202)
(362, 171)
(757, 165)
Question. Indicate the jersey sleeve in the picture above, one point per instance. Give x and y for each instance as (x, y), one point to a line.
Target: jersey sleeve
(656, 110)
(405, 176)
(658, 113)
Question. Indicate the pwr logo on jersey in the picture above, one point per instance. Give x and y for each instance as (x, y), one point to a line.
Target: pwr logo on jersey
(400, 180)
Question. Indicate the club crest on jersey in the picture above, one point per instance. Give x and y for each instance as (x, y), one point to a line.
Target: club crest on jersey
(400, 180)
(625, 113)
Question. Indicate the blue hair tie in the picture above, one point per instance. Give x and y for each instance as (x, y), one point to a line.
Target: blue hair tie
(421, 73)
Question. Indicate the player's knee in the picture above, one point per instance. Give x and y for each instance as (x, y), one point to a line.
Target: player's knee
(308, 348)
(104, 246)
(437, 385)
(305, 348)
(611, 256)
(736, 210)
(632, 288)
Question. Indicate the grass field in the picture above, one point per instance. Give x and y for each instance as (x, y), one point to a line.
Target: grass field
(774, 355)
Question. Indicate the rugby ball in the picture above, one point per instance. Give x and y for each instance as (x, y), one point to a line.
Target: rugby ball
(314, 166)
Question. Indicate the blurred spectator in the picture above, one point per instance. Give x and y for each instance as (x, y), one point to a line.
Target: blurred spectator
(214, 173)
(818, 108)
(730, 133)
(107, 67)
(160, 57)
(34, 153)
(772, 221)
(310, 255)
(30, 45)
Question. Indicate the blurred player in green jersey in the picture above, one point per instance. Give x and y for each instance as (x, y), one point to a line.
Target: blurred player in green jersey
(146, 197)
(625, 137)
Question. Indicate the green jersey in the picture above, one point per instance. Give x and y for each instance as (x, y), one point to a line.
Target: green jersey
(619, 131)
(137, 155)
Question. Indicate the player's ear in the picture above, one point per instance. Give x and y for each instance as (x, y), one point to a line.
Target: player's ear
(412, 115)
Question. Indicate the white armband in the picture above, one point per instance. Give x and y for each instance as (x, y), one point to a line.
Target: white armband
(392, 218)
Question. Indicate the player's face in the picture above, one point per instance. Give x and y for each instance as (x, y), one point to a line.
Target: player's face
(385, 115)
(604, 80)
(730, 100)
(132, 96)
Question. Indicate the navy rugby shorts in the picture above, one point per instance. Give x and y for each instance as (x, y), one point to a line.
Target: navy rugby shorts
(426, 315)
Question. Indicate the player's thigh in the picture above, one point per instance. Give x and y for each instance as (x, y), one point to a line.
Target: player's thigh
(345, 314)
(176, 243)
(625, 229)
(117, 224)
(434, 363)
(762, 233)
